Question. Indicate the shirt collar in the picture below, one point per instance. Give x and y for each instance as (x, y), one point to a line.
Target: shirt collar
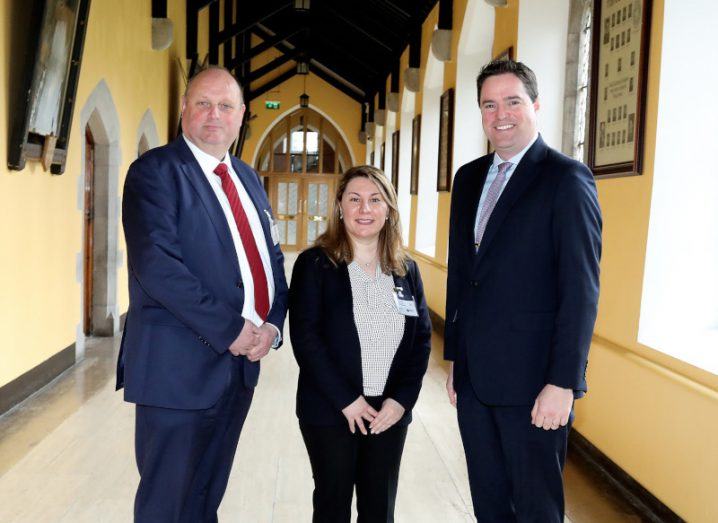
(207, 162)
(516, 158)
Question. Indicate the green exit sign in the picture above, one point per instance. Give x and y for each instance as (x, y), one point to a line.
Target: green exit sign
(270, 104)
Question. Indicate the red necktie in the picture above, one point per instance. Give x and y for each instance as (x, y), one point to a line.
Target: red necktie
(259, 277)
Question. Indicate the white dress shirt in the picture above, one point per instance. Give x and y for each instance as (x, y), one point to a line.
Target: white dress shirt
(208, 163)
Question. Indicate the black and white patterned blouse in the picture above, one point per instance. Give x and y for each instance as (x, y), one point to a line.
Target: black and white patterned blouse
(379, 324)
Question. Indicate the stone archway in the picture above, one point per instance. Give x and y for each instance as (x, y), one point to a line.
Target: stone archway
(147, 137)
(99, 117)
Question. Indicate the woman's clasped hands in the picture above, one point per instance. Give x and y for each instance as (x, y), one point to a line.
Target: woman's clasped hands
(360, 411)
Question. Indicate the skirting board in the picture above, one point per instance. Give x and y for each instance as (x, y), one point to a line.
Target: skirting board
(646, 504)
(36, 378)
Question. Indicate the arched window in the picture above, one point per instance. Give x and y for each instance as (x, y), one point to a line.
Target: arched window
(300, 160)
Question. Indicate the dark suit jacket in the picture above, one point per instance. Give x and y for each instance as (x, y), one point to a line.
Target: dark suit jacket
(326, 344)
(186, 291)
(520, 313)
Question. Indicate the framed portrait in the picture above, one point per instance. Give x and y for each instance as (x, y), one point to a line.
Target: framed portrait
(383, 156)
(415, 140)
(619, 66)
(371, 158)
(395, 159)
(446, 141)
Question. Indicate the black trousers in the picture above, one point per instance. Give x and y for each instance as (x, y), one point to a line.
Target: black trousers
(515, 469)
(184, 456)
(342, 460)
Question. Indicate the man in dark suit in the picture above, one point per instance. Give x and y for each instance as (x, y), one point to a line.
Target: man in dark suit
(208, 298)
(522, 293)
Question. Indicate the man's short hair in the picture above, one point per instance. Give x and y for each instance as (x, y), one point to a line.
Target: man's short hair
(518, 69)
(214, 68)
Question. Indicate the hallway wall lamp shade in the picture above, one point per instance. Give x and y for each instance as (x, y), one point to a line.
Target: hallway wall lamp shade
(162, 29)
(302, 5)
(302, 67)
(497, 3)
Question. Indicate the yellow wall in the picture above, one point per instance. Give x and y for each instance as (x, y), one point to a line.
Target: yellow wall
(655, 416)
(41, 225)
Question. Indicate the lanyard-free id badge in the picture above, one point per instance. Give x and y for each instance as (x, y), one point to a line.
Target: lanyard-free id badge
(404, 302)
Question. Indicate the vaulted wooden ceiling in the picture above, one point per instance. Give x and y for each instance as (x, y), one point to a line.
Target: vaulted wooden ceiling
(354, 45)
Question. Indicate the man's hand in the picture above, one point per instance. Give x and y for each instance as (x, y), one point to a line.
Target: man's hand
(246, 340)
(391, 412)
(552, 407)
(264, 338)
(450, 385)
(358, 411)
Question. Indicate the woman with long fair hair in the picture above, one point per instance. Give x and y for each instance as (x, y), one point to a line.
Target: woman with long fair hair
(361, 335)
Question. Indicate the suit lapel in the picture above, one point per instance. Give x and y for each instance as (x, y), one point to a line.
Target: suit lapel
(409, 321)
(344, 301)
(526, 171)
(192, 171)
(474, 187)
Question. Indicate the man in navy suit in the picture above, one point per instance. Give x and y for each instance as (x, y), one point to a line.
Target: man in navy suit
(208, 298)
(522, 294)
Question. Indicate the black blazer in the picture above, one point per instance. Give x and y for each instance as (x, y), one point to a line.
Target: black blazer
(326, 344)
(520, 313)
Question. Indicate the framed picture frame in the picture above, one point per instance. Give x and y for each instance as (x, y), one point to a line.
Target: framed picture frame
(619, 67)
(506, 54)
(395, 137)
(382, 161)
(415, 141)
(371, 158)
(446, 141)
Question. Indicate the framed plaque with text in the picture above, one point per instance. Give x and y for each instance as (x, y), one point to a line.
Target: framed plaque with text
(415, 141)
(618, 86)
(446, 141)
(395, 159)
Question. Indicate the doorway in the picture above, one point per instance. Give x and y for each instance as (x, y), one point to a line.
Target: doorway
(88, 231)
(301, 161)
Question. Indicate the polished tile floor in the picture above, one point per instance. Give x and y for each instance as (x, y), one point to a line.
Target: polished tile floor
(66, 455)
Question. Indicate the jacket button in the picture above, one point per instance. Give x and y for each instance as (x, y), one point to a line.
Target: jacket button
(474, 283)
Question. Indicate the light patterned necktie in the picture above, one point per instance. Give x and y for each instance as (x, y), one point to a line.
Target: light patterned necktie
(492, 196)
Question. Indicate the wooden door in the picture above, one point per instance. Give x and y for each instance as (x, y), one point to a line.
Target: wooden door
(285, 195)
(319, 193)
(89, 215)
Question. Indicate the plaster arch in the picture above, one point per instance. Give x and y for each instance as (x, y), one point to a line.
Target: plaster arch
(99, 114)
(281, 116)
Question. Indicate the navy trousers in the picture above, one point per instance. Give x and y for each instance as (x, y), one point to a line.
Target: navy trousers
(184, 456)
(515, 469)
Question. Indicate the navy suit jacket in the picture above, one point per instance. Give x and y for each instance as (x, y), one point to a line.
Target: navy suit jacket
(520, 313)
(326, 343)
(186, 291)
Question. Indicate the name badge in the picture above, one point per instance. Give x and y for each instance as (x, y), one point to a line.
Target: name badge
(404, 302)
(274, 231)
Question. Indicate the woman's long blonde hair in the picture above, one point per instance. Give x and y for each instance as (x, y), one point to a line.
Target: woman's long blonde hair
(335, 240)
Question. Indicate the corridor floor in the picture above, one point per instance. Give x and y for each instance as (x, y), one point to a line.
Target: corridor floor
(66, 454)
